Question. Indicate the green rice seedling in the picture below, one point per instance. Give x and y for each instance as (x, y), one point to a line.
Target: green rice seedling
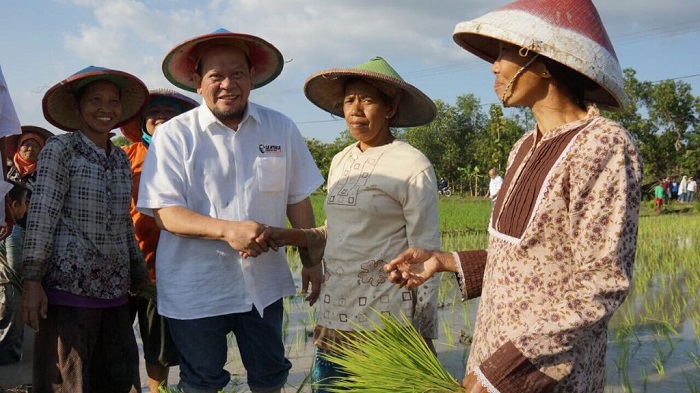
(695, 358)
(286, 304)
(447, 331)
(659, 366)
(390, 357)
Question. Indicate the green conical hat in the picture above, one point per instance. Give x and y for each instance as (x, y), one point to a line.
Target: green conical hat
(326, 89)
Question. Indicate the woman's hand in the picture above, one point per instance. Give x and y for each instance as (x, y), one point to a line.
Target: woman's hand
(34, 304)
(471, 384)
(414, 266)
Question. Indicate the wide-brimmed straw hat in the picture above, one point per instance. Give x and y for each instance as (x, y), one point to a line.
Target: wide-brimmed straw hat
(180, 63)
(58, 102)
(133, 131)
(569, 32)
(326, 89)
(12, 141)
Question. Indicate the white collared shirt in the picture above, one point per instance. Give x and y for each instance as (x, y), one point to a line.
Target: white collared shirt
(196, 162)
(495, 186)
(9, 123)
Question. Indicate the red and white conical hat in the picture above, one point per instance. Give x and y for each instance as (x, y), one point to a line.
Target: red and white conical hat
(567, 31)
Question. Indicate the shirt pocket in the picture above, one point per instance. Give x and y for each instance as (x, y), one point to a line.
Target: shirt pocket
(271, 173)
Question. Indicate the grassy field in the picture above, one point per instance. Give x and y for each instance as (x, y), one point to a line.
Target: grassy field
(654, 338)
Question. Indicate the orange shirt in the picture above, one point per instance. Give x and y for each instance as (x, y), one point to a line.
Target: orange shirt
(147, 231)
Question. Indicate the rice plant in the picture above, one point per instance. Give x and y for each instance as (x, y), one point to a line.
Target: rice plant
(390, 357)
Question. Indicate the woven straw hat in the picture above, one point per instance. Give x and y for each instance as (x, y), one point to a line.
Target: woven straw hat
(326, 89)
(11, 141)
(180, 63)
(58, 102)
(567, 31)
(133, 129)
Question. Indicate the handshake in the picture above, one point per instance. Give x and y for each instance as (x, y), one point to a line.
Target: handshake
(254, 239)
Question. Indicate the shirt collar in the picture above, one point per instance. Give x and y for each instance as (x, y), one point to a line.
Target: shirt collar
(92, 146)
(207, 118)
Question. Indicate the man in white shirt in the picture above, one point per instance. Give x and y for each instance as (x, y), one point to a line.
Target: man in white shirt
(494, 185)
(692, 188)
(214, 178)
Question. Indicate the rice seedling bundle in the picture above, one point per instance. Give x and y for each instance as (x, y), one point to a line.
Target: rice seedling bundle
(390, 357)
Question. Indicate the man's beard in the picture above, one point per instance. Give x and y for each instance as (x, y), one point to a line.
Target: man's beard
(233, 114)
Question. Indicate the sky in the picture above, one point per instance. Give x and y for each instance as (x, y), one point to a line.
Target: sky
(45, 41)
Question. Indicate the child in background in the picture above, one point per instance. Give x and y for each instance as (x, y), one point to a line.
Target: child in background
(11, 325)
(659, 194)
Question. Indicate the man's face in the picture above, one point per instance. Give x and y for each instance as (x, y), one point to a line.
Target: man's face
(225, 82)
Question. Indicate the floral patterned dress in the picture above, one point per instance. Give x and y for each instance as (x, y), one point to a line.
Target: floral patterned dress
(559, 262)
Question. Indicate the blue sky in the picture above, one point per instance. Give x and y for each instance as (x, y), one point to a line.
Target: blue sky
(45, 41)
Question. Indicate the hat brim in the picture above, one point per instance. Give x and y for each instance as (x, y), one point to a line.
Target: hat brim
(58, 102)
(132, 129)
(482, 35)
(326, 89)
(179, 64)
(11, 141)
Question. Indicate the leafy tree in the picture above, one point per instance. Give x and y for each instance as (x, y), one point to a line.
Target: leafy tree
(663, 119)
(323, 153)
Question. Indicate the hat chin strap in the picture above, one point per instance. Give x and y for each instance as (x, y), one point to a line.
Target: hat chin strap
(517, 74)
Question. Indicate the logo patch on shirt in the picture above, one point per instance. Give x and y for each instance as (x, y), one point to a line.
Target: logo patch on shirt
(270, 149)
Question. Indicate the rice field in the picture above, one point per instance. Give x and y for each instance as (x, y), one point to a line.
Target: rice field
(654, 338)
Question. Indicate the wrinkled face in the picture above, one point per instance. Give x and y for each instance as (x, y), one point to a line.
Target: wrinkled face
(513, 89)
(225, 82)
(367, 114)
(29, 151)
(158, 114)
(100, 107)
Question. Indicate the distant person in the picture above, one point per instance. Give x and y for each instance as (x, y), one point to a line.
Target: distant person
(552, 275)
(659, 196)
(11, 325)
(691, 190)
(159, 350)
(80, 255)
(682, 189)
(381, 200)
(214, 178)
(23, 151)
(495, 185)
(442, 184)
(674, 188)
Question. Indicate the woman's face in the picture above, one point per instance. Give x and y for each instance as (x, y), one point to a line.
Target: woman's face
(29, 150)
(367, 114)
(158, 114)
(100, 107)
(528, 87)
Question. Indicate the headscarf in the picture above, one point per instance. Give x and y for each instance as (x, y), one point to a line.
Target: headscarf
(26, 167)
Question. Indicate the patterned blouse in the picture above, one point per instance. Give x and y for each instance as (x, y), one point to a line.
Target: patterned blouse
(79, 237)
(559, 262)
